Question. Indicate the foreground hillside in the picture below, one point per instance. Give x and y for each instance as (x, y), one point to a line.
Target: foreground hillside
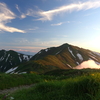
(63, 57)
(65, 85)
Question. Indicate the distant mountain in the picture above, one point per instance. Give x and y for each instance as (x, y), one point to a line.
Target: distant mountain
(63, 57)
(10, 59)
(27, 53)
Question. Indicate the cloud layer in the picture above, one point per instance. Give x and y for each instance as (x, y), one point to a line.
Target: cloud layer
(6, 15)
(48, 15)
(88, 64)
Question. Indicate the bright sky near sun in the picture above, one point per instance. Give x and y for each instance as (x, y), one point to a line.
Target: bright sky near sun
(31, 25)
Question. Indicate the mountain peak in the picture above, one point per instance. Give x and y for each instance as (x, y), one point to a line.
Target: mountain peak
(62, 57)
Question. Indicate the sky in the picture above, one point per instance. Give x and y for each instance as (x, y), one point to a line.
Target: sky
(32, 25)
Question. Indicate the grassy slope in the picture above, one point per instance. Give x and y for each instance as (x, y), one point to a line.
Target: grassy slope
(13, 80)
(50, 62)
(57, 58)
(79, 88)
(67, 85)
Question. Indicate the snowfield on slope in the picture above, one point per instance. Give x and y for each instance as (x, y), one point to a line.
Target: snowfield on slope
(80, 57)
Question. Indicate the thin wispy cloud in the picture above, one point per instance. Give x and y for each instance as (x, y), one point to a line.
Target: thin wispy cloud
(58, 24)
(34, 28)
(31, 30)
(18, 8)
(49, 15)
(6, 15)
(27, 48)
(10, 29)
(22, 14)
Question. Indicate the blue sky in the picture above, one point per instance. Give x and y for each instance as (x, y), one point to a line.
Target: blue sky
(31, 25)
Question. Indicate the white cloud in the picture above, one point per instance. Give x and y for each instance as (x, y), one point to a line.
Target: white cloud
(10, 29)
(57, 24)
(22, 14)
(6, 15)
(48, 15)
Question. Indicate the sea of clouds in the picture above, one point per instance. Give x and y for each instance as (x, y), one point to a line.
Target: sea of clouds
(88, 64)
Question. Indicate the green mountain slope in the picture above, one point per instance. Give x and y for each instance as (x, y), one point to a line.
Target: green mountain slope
(63, 57)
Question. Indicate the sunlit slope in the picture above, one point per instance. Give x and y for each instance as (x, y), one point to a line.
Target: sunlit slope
(63, 57)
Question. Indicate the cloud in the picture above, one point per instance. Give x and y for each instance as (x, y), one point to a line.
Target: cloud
(6, 15)
(57, 24)
(35, 28)
(22, 14)
(88, 64)
(31, 30)
(10, 29)
(25, 48)
(18, 8)
(49, 15)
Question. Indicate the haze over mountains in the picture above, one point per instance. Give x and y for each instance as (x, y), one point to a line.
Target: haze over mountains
(63, 57)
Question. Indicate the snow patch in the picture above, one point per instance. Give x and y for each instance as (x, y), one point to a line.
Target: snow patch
(7, 57)
(97, 53)
(92, 57)
(98, 63)
(46, 50)
(11, 70)
(69, 66)
(58, 52)
(23, 73)
(71, 52)
(26, 57)
(77, 63)
(80, 56)
(39, 52)
(20, 58)
(2, 58)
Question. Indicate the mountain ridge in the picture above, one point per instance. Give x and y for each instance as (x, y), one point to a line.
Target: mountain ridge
(10, 59)
(65, 56)
(62, 57)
